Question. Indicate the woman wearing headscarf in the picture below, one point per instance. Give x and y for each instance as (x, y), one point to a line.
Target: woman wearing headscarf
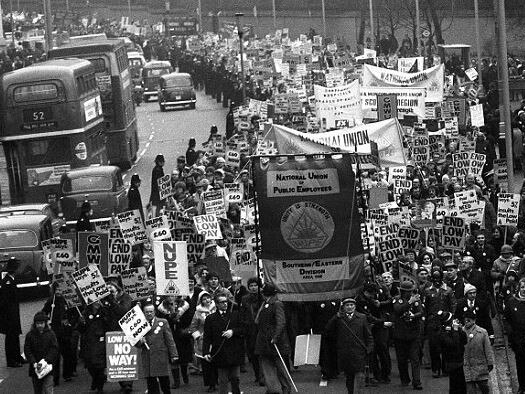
(205, 307)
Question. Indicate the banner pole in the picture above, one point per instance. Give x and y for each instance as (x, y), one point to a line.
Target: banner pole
(286, 369)
(256, 220)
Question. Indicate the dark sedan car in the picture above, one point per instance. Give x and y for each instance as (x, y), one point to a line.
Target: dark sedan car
(101, 186)
(176, 89)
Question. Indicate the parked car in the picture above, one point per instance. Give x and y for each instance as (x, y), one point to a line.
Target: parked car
(101, 186)
(151, 74)
(21, 236)
(35, 209)
(176, 89)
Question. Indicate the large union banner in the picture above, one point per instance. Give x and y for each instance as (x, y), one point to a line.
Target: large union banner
(309, 225)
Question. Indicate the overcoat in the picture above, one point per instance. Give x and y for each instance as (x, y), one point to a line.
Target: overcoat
(226, 352)
(271, 324)
(353, 338)
(478, 355)
(156, 360)
(9, 307)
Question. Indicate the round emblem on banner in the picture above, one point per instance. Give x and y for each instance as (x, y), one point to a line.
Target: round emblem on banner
(307, 227)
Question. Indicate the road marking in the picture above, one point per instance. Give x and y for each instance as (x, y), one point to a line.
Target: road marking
(147, 145)
(151, 137)
(142, 153)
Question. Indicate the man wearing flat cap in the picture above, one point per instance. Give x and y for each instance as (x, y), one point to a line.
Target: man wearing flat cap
(353, 341)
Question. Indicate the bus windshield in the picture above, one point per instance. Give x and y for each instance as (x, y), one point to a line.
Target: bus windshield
(37, 92)
(88, 183)
(17, 239)
(48, 151)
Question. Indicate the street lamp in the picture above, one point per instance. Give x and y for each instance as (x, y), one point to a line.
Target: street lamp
(240, 32)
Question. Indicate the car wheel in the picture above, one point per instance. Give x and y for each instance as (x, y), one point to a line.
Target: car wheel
(146, 99)
(162, 108)
(192, 106)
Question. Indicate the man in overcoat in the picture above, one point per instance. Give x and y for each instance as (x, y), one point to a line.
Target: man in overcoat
(159, 352)
(478, 359)
(223, 343)
(354, 342)
(10, 315)
(271, 322)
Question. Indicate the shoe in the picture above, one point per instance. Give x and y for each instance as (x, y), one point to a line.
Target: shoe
(405, 384)
(418, 387)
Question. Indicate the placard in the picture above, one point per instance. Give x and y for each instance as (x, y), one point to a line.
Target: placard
(93, 248)
(234, 192)
(134, 325)
(214, 203)
(158, 229)
(477, 161)
(208, 225)
(194, 243)
(120, 253)
(501, 177)
(165, 187)
(453, 233)
(508, 209)
(171, 268)
(132, 227)
(90, 284)
(476, 115)
(66, 287)
(122, 358)
(307, 350)
(233, 158)
(461, 164)
(389, 251)
(135, 283)
(386, 106)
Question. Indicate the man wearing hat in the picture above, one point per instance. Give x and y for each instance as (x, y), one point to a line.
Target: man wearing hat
(472, 301)
(156, 173)
(453, 340)
(455, 281)
(10, 315)
(473, 276)
(439, 298)
(478, 359)
(408, 312)
(353, 341)
(134, 198)
(272, 333)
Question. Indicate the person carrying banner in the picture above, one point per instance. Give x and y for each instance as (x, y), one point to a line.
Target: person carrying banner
(272, 335)
(223, 343)
(158, 351)
(353, 341)
(40, 348)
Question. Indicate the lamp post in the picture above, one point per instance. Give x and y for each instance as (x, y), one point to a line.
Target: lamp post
(478, 42)
(48, 25)
(418, 30)
(505, 120)
(200, 16)
(273, 13)
(372, 36)
(324, 17)
(240, 32)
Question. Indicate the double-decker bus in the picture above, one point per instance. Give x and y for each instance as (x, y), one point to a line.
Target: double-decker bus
(51, 121)
(114, 82)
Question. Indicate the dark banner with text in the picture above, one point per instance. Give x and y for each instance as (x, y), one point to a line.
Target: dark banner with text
(309, 225)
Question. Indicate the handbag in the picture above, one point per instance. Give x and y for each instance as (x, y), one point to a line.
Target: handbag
(44, 369)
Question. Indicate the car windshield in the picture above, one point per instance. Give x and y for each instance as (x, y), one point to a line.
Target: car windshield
(17, 239)
(157, 72)
(88, 183)
(178, 82)
(22, 212)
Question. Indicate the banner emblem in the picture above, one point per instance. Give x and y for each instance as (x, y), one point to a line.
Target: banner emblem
(307, 227)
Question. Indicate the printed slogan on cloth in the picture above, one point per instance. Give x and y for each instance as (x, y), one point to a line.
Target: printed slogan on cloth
(310, 234)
